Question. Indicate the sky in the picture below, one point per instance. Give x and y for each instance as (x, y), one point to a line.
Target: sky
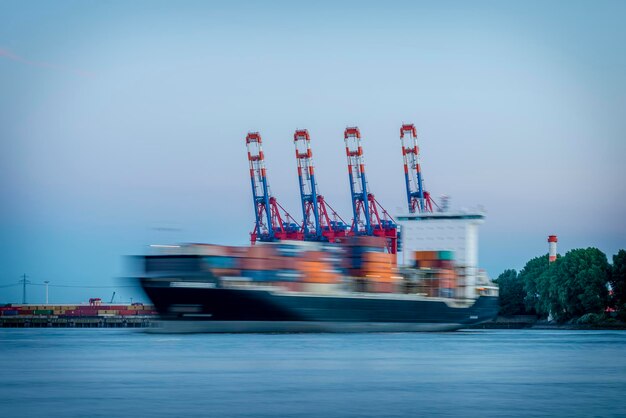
(123, 124)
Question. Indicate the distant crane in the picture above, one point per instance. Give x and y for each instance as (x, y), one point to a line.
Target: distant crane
(418, 199)
(317, 224)
(112, 297)
(365, 207)
(269, 224)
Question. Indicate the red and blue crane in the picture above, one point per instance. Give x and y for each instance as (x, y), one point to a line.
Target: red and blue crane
(365, 207)
(418, 199)
(269, 224)
(317, 225)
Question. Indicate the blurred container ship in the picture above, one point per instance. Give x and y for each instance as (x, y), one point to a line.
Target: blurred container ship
(294, 286)
(376, 274)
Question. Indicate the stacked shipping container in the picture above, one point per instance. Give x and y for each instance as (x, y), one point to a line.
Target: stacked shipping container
(366, 261)
(438, 272)
(92, 310)
(360, 264)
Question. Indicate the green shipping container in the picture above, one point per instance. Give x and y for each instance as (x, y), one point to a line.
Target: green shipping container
(43, 312)
(446, 255)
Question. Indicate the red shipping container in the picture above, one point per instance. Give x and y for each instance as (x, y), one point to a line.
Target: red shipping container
(259, 264)
(446, 264)
(87, 312)
(144, 312)
(127, 312)
(113, 307)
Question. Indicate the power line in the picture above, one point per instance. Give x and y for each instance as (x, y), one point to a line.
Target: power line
(4, 286)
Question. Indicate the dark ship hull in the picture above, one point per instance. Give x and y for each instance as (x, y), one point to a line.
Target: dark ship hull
(203, 306)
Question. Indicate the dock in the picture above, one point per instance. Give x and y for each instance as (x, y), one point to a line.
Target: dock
(77, 322)
(92, 315)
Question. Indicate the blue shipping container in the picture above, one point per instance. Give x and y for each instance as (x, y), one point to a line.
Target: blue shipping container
(221, 262)
(260, 275)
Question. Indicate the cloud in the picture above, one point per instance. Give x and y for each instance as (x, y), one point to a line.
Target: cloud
(5, 53)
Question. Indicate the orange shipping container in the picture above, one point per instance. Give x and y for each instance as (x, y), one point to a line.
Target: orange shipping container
(425, 255)
(429, 264)
(312, 266)
(258, 264)
(378, 257)
(261, 251)
(377, 266)
(320, 277)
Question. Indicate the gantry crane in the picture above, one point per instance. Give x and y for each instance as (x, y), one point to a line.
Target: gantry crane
(418, 199)
(365, 207)
(317, 225)
(269, 225)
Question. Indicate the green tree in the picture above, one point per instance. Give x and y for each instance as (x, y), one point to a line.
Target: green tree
(512, 293)
(547, 286)
(574, 285)
(529, 276)
(618, 282)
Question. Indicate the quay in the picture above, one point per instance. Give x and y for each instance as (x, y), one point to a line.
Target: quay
(92, 315)
(77, 322)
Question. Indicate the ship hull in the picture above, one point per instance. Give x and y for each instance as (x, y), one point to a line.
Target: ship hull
(205, 308)
(242, 327)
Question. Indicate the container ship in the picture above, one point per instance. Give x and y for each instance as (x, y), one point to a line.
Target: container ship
(294, 286)
(324, 274)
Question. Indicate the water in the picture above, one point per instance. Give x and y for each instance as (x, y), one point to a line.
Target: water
(113, 373)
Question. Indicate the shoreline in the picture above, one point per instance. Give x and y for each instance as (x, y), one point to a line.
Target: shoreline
(531, 322)
(78, 322)
(147, 322)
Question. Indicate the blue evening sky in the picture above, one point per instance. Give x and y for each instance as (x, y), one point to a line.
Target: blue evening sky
(123, 123)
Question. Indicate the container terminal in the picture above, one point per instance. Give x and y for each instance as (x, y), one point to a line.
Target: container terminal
(91, 315)
(423, 261)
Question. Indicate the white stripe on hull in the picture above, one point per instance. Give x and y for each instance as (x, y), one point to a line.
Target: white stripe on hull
(295, 326)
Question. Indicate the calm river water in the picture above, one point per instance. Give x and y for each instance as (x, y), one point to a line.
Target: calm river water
(115, 373)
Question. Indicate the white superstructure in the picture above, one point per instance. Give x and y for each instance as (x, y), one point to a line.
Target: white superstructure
(455, 231)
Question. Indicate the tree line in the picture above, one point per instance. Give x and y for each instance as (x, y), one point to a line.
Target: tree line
(579, 285)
